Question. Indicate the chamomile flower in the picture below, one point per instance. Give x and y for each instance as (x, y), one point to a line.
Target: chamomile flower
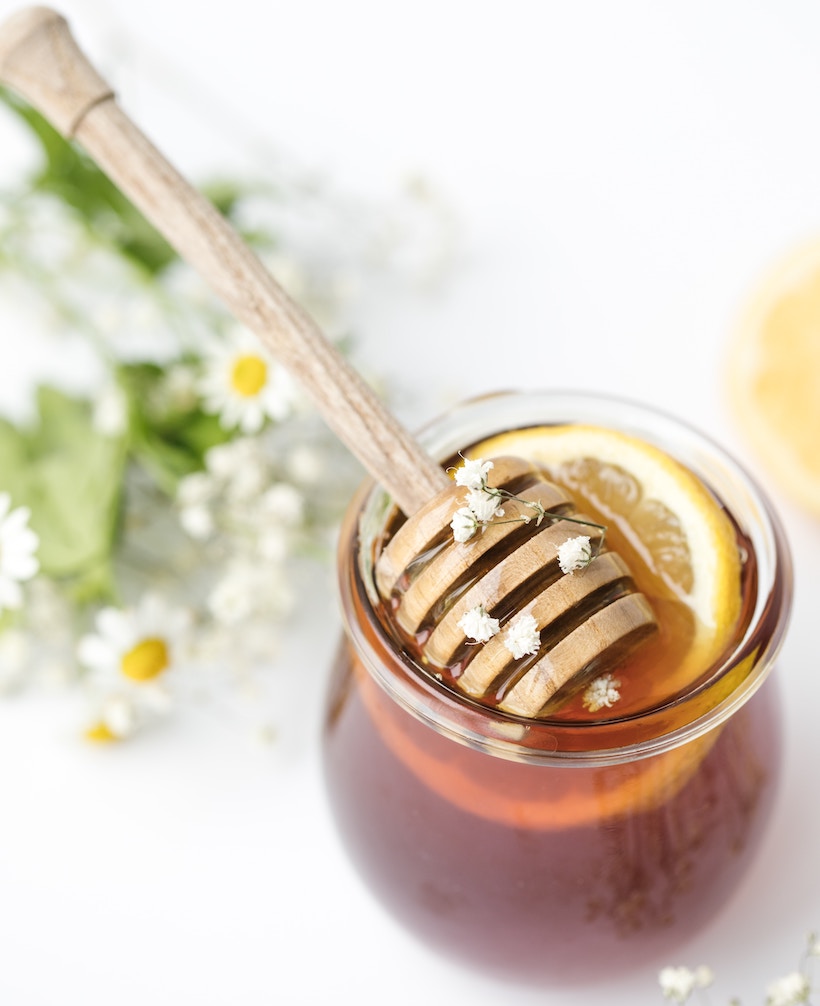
(130, 657)
(18, 543)
(246, 386)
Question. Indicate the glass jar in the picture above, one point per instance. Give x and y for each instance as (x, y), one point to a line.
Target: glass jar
(547, 851)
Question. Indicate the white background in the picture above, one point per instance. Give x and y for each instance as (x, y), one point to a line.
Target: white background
(622, 174)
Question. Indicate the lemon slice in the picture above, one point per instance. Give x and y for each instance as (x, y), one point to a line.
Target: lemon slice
(672, 532)
(773, 372)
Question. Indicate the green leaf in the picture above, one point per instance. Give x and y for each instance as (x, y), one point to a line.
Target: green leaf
(72, 176)
(71, 477)
(169, 444)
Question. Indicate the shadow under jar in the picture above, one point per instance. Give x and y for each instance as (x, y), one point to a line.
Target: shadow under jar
(560, 849)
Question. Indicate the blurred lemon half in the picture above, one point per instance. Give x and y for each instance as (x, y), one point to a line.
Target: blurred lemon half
(773, 375)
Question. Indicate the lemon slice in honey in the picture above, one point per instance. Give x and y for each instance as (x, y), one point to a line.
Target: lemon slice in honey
(672, 532)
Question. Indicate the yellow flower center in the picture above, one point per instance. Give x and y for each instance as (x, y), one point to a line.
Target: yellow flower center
(248, 375)
(100, 734)
(146, 660)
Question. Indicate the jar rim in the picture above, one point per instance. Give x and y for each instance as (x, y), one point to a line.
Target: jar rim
(607, 741)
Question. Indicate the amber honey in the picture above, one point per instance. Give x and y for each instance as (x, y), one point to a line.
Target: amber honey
(562, 849)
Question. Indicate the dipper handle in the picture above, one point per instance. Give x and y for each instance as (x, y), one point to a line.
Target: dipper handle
(40, 59)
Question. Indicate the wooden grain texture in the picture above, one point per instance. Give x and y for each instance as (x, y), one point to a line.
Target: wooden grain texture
(536, 559)
(602, 641)
(39, 58)
(457, 560)
(432, 521)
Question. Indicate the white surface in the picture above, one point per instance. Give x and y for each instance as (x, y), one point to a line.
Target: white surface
(622, 174)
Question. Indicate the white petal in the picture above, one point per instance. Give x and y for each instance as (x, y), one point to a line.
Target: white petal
(11, 596)
(97, 654)
(117, 628)
(19, 567)
(14, 523)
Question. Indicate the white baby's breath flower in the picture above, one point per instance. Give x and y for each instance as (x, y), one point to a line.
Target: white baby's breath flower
(601, 693)
(197, 521)
(464, 524)
(484, 505)
(245, 385)
(227, 462)
(704, 976)
(677, 984)
(15, 657)
(284, 503)
(473, 473)
(179, 387)
(195, 489)
(274, 543)
(110, 415)
(790, 990)
(522, 637)
(575, 553)
(194, 494)
(18, 543)
(477, 625)
(249, 588)
(305, 465)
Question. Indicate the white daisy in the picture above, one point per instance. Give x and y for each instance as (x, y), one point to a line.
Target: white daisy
(245, 385)
(130, 656)
(18, 543)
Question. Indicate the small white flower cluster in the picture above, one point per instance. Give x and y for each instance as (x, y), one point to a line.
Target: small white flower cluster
(575, 553)
(521, 635)
(602, 693)
(481, 504)
(793, 989)
(251, 512)
(482, 507)
(679, 983)
(18, 543)
(790, 990)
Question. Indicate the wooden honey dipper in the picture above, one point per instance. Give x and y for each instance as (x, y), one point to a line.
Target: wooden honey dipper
(587, 621)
